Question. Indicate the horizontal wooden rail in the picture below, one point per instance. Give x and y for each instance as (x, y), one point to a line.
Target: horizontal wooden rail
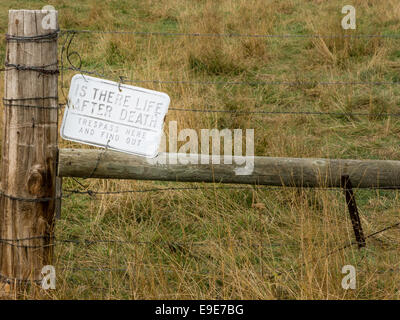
(267, 171)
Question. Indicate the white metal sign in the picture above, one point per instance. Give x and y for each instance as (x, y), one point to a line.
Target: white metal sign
(120, 117)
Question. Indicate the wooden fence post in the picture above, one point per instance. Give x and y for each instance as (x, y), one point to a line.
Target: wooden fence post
(29, 147)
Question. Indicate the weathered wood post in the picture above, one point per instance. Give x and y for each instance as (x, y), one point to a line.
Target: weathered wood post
(290, 172)
(29, 147)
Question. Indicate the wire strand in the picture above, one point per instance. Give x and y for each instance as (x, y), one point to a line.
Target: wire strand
(235, 35)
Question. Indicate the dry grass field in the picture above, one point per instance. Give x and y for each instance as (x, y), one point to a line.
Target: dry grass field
(255, 243)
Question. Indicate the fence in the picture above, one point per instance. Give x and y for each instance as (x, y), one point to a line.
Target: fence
(33, 166)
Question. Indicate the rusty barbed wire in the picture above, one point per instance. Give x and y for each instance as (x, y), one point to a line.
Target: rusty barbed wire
(279, 83)
(235, 35)
(272, 112)
(40, 69)
(70, 35)
(295, 83)
(315, 113)
(49, 37)
(92, 193)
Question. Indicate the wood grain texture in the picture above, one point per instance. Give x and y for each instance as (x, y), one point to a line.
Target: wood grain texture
(267, 171)
(29, 151)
